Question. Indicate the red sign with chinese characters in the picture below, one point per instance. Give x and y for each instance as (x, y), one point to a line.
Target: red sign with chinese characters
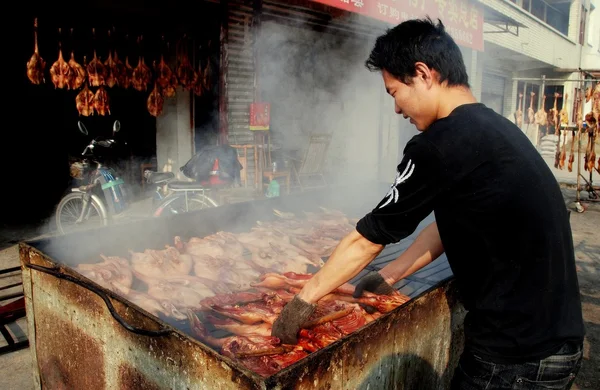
(463, 19)
(260, 116)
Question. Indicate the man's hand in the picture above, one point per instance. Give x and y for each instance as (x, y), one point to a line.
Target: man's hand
(291, 319)
(375, 283)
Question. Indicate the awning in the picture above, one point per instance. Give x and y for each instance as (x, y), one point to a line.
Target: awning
(499, 22)
(463, 18)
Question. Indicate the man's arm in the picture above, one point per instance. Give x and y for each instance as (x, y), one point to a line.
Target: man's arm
(351, 255)
(426, 248)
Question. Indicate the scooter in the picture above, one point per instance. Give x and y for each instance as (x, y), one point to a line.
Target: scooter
(103, 194)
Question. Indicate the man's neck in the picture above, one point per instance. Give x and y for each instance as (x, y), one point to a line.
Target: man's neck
(452, 97)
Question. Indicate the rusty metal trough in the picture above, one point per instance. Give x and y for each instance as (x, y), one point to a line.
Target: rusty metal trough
(98, 340)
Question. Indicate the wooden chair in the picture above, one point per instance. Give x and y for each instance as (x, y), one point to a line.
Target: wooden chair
(243, 158)
(313, 163)
(268, 173)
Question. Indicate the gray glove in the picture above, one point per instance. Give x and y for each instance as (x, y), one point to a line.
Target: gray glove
(373, 282)
(291, 319)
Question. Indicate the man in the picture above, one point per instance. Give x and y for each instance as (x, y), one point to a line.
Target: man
(500, 219)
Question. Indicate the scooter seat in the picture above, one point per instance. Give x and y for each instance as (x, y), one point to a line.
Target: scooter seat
(185, 185)
(160, 177)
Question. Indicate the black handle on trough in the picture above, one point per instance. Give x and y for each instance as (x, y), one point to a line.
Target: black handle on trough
(55, 272)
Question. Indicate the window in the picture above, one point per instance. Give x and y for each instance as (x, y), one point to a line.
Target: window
(556, 15)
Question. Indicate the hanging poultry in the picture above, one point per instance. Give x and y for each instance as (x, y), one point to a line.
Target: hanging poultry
(79, 74)
(541, 116)
(61, 73)
(591, 123)
(84, 100)
(163, 71)
(579, 121)
(120, 71)
(519, 112)
(101, 102)
(197, 82)
(185, 72)
(111, 71)
(564, 114)
(142, 75)
(530, 111)
(553, 115)
(155, 102)
(36, 64)
(563, 153)
(95, 69)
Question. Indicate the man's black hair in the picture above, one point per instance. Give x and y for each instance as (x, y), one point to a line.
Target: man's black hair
(419, 40)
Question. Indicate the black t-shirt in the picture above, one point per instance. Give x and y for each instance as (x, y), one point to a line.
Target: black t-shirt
(504, 226)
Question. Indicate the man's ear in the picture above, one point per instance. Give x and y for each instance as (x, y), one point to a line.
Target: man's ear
(424, 73)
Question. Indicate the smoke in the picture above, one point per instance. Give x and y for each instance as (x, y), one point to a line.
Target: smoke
(316, 82)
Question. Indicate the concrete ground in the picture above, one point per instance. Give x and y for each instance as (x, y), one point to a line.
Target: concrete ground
(16, 367)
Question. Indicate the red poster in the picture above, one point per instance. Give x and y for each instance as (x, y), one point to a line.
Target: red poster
(463, 19)
(260, 116)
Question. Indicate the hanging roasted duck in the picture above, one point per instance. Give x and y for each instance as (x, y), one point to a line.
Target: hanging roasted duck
(530, 111)
(101, 102)
(95, 69)
(142, 75)
(519, 112)
(553, 115)
(79, 73)
(197, 82)
(579, 120)
(163, 71)
(185, 71)
(84, 101)
(61, 73)
(155, 101)
(541, 116)
(36, 64)
(111, 66)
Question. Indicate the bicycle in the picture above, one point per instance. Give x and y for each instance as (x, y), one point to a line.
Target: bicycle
(103, 196)
(179, 196)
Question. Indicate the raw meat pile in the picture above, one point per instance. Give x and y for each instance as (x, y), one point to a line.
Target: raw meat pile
(239, 283)
(249, 316)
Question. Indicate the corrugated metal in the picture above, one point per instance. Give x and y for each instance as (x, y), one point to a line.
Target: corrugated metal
(493, 84)
(240, 77)
(242, 84)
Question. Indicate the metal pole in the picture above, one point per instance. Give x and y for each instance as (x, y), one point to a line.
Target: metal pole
(538, 79)
(542, 92)
(578, 206)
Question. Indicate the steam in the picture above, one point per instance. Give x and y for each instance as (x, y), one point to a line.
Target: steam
(316, 82)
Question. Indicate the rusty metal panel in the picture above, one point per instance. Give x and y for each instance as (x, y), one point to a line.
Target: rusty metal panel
(73, 332)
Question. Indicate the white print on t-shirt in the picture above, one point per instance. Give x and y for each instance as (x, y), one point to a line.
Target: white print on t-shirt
(400, 178)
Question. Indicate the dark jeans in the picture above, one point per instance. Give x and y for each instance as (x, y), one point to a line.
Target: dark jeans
(555, 372)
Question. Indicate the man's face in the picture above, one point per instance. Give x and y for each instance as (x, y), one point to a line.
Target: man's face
(416, 101)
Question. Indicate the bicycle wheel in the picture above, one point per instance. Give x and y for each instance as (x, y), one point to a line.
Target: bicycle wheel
(69, 209)
(175, 204)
